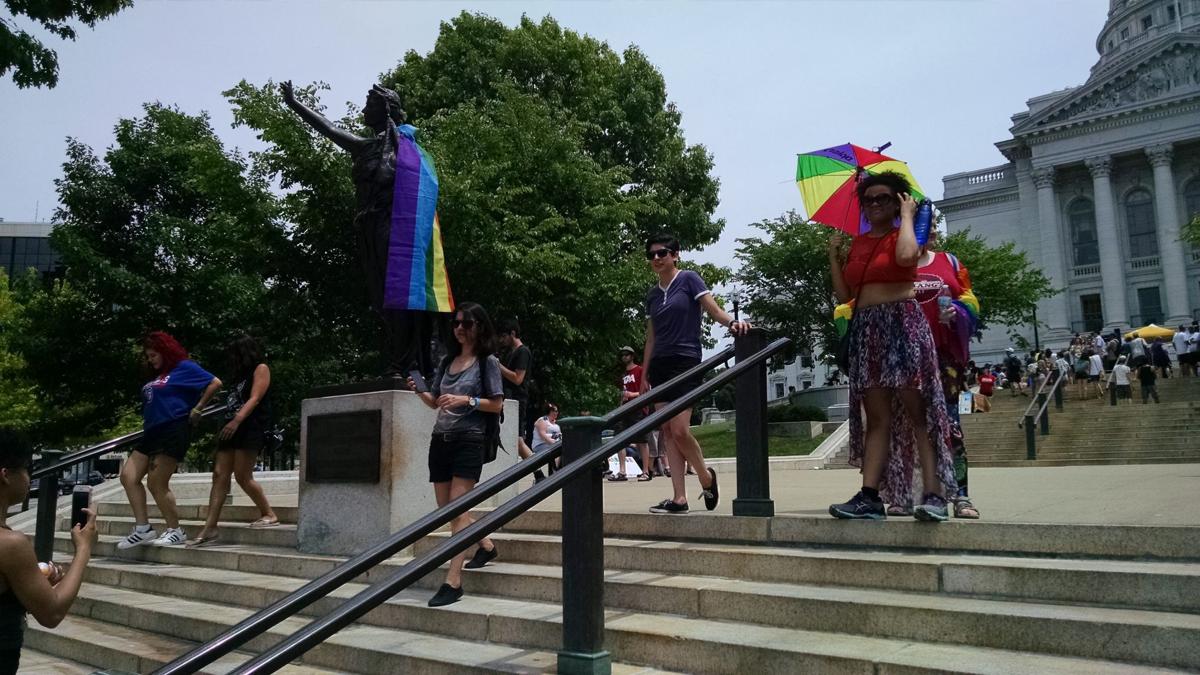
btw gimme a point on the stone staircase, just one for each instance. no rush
(1090, 431)
(701, 594)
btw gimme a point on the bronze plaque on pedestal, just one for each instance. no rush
(343, 448)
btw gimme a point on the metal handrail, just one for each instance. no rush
(318, 588)
(1034, 399)
(106, 447)
(1046, 402)
(47, 509)
(317, 631)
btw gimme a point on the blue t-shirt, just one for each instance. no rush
(172, 396)
(675, 314)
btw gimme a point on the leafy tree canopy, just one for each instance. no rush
(556, 157)
(33, 63)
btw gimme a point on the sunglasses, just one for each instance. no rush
(879, 200)
(465, 323)
(658, 253)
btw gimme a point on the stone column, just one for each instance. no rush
(1053, 310)
(1170, 250)
(1112, 261)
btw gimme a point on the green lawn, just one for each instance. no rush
(718, 440)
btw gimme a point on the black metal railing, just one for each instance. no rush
(757, 495)
(48, 475)
(1041, 418)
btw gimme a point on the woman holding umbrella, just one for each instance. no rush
(893, 365)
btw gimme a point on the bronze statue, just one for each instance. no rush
(407, 333)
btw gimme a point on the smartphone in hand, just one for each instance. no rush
(81, 498)
(418, 382)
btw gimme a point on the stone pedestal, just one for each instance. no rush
(364, 468)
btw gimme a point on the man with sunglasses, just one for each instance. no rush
(673, 330)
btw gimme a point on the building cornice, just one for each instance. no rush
(978, 200)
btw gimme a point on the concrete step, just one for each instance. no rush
(1021, 463)
(1059, 451)
(357, 649)
(234, 513)
(1181, 543)
(1129, 584)
(538, 625)
(112, 646)
(233, 533)
(34, 662)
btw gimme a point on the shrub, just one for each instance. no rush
(796, 413)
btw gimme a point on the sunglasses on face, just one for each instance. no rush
(658, 253)
(878, 200)
(467, 324)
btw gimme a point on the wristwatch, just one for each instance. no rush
(474, 402)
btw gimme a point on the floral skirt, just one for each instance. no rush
(891, 348)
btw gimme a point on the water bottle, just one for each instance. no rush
(924, 221)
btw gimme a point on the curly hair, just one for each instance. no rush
(168, 348)
(890, 179)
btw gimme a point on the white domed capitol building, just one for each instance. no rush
(1098, 181)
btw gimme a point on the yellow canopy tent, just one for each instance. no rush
(1152, 331)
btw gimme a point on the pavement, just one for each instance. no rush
(1135, 494)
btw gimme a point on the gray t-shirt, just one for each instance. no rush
(465, 383)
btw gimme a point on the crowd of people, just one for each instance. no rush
(1092, 364)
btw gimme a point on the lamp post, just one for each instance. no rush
(1037, 344)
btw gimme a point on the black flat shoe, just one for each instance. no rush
(482, 557)
(446, 595)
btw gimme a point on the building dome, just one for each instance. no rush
(1133, 25)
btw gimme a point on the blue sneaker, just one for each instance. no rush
(859, 508)
(933, 510)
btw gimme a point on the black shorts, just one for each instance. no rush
(663, 368)
(169, 438)
(251, 435)
(1093, 378)
(633, 419)
(455, 455)
(1124, 391)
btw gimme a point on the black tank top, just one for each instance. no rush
(12, 619)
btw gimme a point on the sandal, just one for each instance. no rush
(264, 522)
(645, 477)
(202, 541)
(963, 508)
(898, 510)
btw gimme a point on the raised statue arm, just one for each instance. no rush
(344, 139)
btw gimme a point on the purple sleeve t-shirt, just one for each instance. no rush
(173, 395)
(674, 312)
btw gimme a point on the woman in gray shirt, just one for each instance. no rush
(466, 386)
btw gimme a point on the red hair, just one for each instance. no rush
(167, 347)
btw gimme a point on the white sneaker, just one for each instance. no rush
(171, 537)
(137, 538)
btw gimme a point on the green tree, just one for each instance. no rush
(1006, 282)
(785, 279)
(19, 405)
(1190, 232)
(33, 63)
(556, 158)
(166, 231)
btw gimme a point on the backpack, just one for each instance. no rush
(492, 421)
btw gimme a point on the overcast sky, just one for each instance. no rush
(756, 82)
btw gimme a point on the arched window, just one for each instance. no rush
(1139, 219)
(1081, 217)
(1191, 199)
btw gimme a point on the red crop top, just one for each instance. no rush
(881, 268)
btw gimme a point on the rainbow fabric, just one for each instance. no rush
(416, 265)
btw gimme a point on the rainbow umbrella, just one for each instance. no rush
(827, 179)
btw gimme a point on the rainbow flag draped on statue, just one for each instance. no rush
(416, 265)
